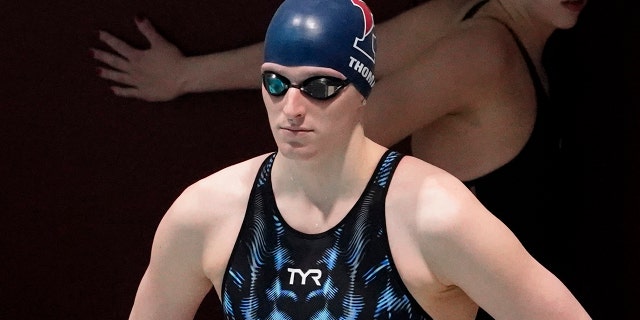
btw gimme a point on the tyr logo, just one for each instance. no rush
(315, 274)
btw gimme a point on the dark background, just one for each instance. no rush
(85, 176)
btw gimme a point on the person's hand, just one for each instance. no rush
(153, 75)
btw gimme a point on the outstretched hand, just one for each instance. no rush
(151, 75)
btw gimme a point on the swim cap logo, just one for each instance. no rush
(366, 44)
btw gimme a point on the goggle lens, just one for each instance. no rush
(320, 87)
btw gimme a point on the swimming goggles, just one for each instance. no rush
(318, 87)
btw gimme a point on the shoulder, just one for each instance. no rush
(214, 198)
(432, 201)
(469, 64)
(481, 38)
(480, 49)
(441, 217)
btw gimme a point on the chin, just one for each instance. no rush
(293, 152)
(567, 23)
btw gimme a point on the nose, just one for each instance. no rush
(294, 106)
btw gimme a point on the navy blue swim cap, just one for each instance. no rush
(336, 34)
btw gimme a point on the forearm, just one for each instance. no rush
(228, 70)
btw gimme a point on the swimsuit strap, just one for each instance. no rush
(472, 12)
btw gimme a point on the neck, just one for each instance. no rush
(327, 179)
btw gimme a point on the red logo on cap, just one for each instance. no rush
(368, 16)
(367, 44)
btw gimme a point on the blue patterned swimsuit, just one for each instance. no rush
(347, 272)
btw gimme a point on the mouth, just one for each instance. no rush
(574, 5)
(295, 130)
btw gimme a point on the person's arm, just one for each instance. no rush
(470, 248)
(162, 72)
(193, 243)
(174, 283)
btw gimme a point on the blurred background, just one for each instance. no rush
(85, 176)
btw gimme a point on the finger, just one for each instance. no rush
(125, 92)
(116, 76)
(116, 44)
(149, 31)
(110, 59)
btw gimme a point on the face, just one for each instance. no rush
(304, 126)
(562, 14)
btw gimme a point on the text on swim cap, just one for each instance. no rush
(359, 67)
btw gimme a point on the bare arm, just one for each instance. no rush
(174, 283)
(193, 243)
(473, 250)
(162, 72)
